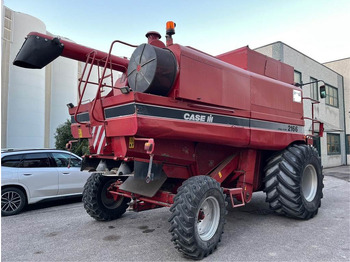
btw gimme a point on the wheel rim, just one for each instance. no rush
(10, 201)
(108, 200)
(309, 183)
(208, 218)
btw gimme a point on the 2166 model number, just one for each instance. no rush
(292, 128)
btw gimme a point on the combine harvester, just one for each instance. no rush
(183, 129)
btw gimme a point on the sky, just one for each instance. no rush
(317, 28)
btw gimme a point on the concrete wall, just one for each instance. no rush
(332, 117)
(6, 38)
(64, 75)
(343, 67)
(33, 102)
(26, 90)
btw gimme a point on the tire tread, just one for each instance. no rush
(183, 215)
(283, 181)
(91, 200)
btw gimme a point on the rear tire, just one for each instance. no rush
(294, 182)
(13, 200)
(98, 203)
(198, 217)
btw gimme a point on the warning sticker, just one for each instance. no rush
(131, 142)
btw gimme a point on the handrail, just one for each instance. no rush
(313, 102)
(83, 73)
(81, 94)
(103, 76)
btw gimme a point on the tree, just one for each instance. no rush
(63, 135)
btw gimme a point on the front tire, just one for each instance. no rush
(198, 217)
(13, 200)
(294, 182)
(98, 203)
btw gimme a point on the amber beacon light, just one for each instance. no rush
(170, 28)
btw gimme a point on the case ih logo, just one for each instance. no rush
(198, 118)
(99, 137)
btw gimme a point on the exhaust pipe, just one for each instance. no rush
(38, 50)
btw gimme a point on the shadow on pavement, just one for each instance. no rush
(53, 203)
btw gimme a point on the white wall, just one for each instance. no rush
(26, 91)
(343, 67)
(64, 75)
(35, 102)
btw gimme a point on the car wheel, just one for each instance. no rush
(13, 200)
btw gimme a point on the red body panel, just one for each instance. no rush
(206, 79)
(196, 131)
(258, 63)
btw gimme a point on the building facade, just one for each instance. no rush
(331, 110)
(33, 101)
(342, 67)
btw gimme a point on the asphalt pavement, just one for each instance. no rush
(57, 232)
(341, 172)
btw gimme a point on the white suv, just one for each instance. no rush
(29, 176)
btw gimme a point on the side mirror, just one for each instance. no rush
(323, 91)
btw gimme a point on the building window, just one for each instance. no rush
(297, 77)
(333, 144)
(332, 96)
(313, 89)
(347, 144)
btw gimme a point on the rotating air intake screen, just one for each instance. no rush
(152, 70)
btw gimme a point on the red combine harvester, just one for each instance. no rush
(184, 129)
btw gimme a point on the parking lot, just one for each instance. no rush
(64, 232)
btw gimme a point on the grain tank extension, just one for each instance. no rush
(186, 130)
